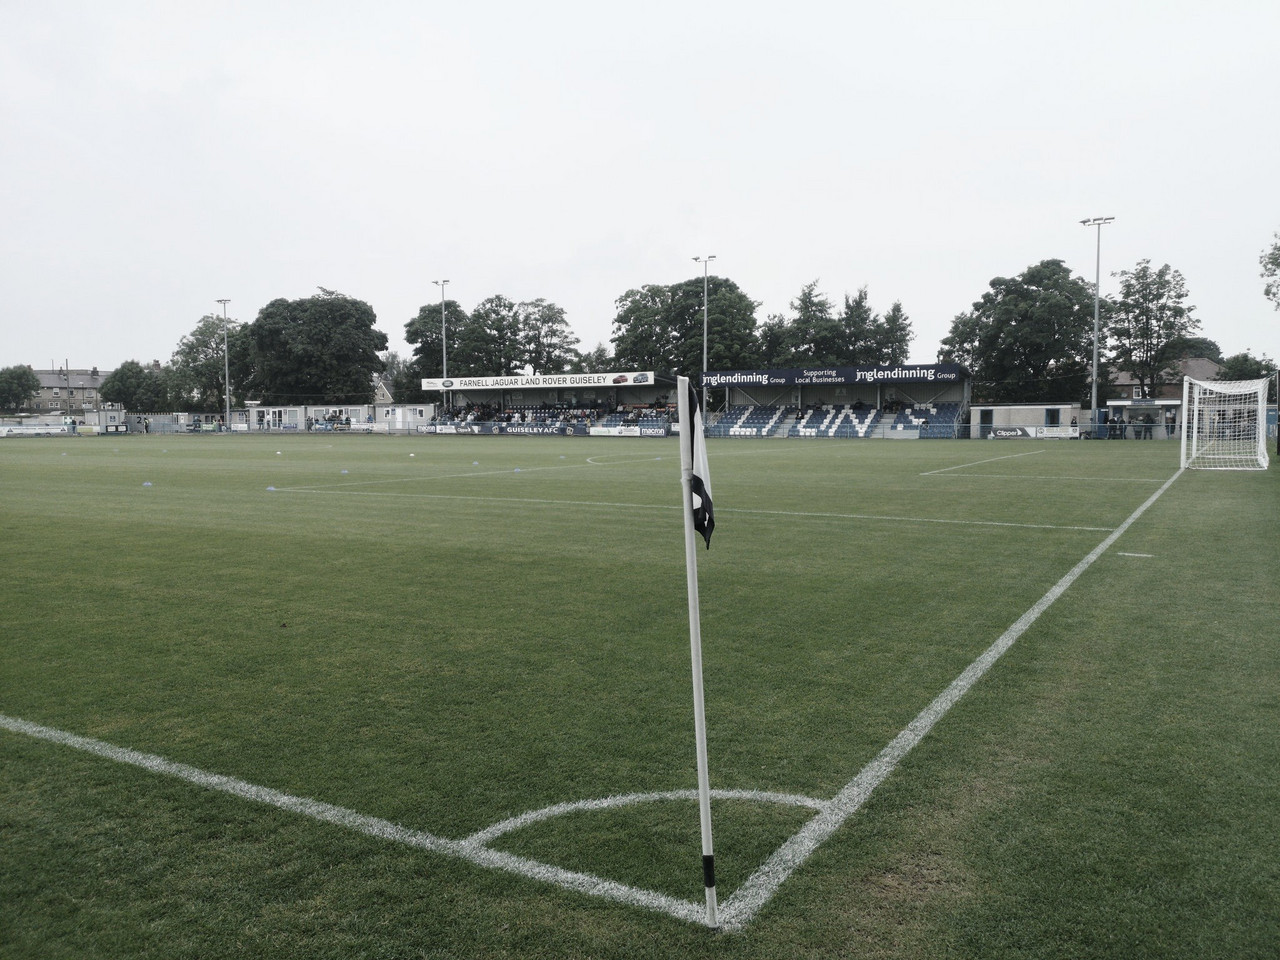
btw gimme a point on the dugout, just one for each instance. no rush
(1026, 421)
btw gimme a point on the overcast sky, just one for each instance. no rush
(155, 157)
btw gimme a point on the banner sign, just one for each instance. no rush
(488, 428)
(615, 431)
(1033, 433)
(549, 381)
(1010, 433)
(903, 373)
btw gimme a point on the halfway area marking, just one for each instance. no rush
(743, 904)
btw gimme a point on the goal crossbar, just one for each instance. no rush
(1224, 424)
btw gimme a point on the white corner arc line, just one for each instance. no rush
(738, 910)
(489, 834)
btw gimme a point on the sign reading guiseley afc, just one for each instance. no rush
(902, 373)
(546, 381)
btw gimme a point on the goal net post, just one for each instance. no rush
(1224, 424)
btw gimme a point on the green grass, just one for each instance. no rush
(496, 625)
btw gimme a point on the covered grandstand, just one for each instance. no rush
(896, 402)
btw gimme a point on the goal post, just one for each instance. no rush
(1224, 424)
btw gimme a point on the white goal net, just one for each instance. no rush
(1224, 424)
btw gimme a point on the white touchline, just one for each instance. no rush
(745, 902)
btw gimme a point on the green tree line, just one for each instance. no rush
(1027, 338)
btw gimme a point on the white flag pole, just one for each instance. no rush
(691, 420)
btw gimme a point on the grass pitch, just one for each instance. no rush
(447, 633)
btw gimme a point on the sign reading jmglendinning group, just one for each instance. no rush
(902, 373)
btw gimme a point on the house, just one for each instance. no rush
(1197, 368)
(69, 393)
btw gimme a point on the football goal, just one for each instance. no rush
(1224, 424)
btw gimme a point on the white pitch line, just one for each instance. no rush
(469, 850)
(872, 516)
(1032, 476)
(977, 463)
(1145, 556)
(746, 901)
(489, 834)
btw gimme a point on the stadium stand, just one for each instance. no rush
(749, 421)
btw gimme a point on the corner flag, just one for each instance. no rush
(704, 517)
(698, 518)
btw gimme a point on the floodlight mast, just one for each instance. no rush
(706, 262)
(444, 348)
(1098, 222)
(226, 362)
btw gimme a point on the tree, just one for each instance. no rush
(548, 343)
(322, 349)
(772, 342)
(894, 336)
(815, 336)
(872, 340)
(1151, 318)
(423, 331)
(644, 330)
(17, 386)
(489, 341)
(1245, 366)
(137, 389)
(1270, 262)
(198, 369)
(598, 360)
(660, 328)
(1030, 337)
(1183, 347)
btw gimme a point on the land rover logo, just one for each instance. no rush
(446, 384)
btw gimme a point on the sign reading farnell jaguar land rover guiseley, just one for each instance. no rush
(616, 379)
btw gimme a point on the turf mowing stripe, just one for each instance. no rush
(738, 910)
(742, 906)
